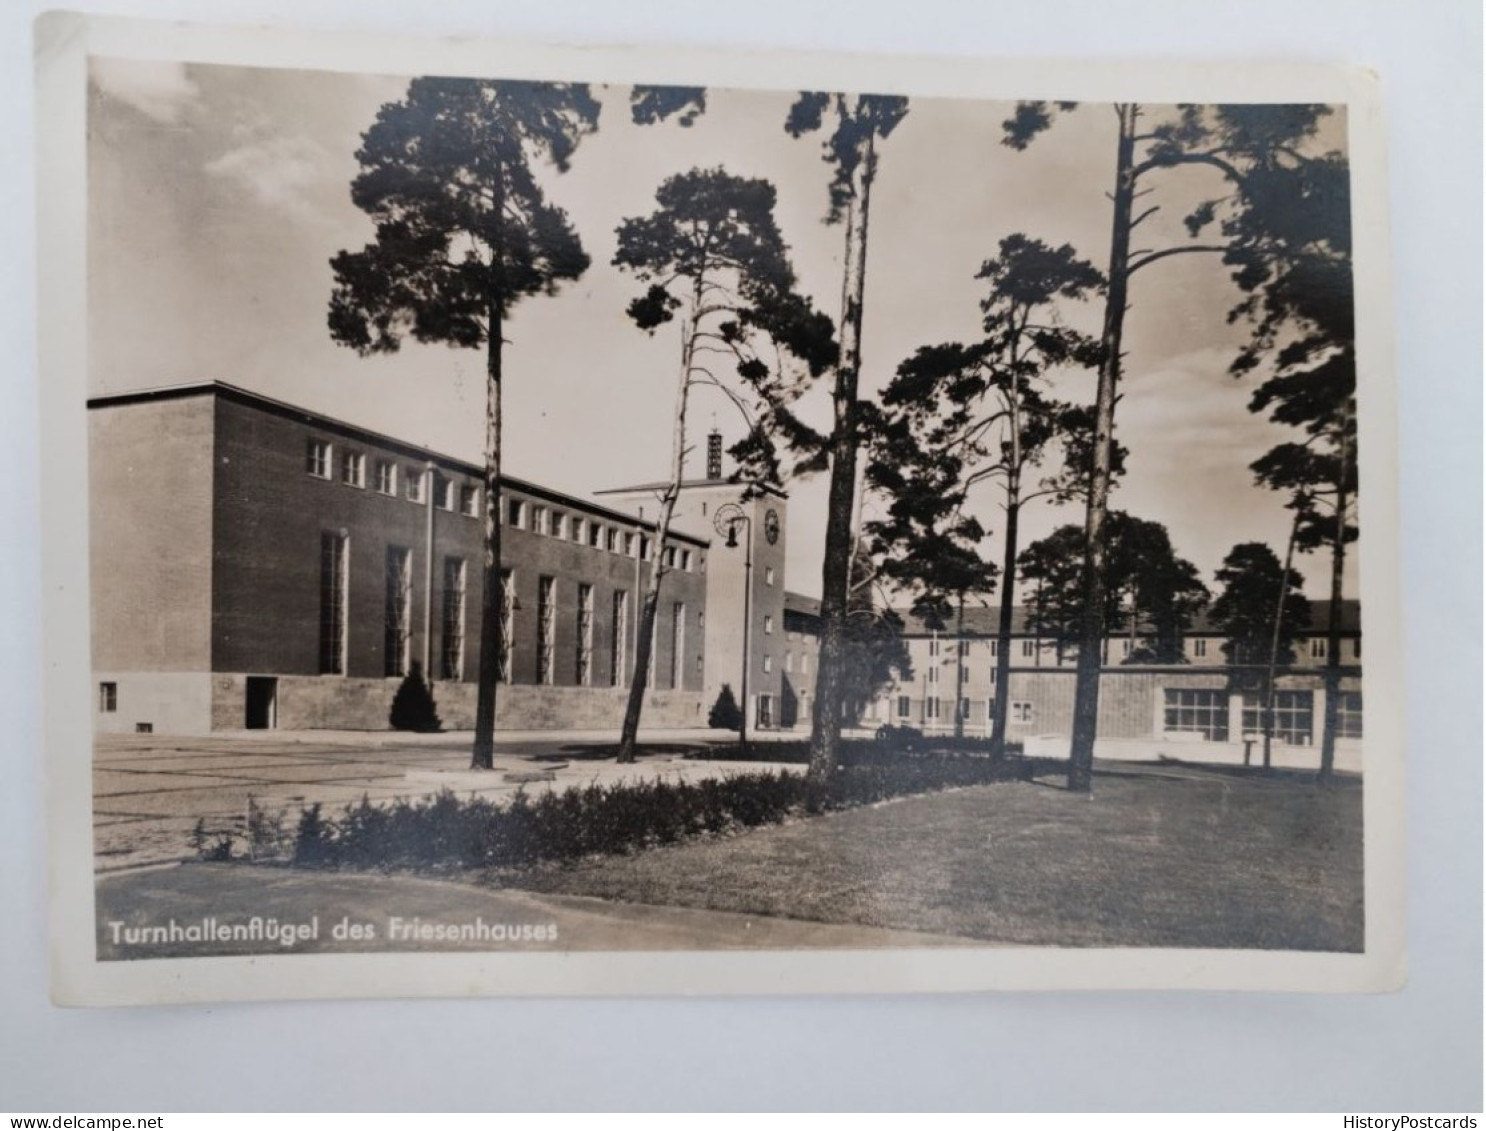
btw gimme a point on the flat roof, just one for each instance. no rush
(691, 484)
(981, 621)
(239, 395)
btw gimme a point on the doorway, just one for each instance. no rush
(263, 694)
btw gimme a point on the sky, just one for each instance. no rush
(218, 196)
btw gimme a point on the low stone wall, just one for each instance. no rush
(337, 703)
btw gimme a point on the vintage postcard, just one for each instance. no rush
(534, 520)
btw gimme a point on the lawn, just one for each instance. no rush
(1180, 858)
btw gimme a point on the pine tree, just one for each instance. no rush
(413, 707)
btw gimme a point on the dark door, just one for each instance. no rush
(262, 707)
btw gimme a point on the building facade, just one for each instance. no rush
(1203, 704)
(745, 592)
(255, 565)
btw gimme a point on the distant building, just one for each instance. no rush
(1205, 700)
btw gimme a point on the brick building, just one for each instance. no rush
(1198, 704)
(255, 565)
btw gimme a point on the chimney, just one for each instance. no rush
(714, 455)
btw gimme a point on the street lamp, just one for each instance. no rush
(726, 521)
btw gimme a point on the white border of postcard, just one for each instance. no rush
(63, 43)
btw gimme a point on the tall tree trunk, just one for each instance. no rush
(1003, 623)
(482, 756)
(1091, 636)
(636, 702)
(825, 728)
(1332, 681)
(1274, 639)
(960, 667)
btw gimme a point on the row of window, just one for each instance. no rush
(541, 519)
(398, 624)
(321, 462)
(936, 709)
(1317, 647)
(448, 495)
(1205, 711)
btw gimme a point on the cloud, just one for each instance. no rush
(160, 90)
(281, 172)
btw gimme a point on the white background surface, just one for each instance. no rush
(1419, 1050)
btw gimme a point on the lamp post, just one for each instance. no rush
(728, 518)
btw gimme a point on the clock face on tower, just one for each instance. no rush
(771, 526)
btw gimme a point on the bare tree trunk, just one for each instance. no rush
(1274, 639)
(1091, 637)
(482, 756)
(825, 730)
(1332, 680)
(960, 667)
(1003, 623)
(658, 570)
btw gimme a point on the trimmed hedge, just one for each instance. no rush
(446, 832)
(853, 751)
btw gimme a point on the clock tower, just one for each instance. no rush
(743, 622)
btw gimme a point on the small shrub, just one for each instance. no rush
(725, 713)
(266, 838)
(312, 845)
(413, 707)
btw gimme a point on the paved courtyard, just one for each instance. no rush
(150, 790)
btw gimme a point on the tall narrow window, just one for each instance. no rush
(317, 459)
(584, 667)
(108, 697)
(443, 492)
(546, 627)
(412, 484)
(398, 646)
(353, 469)
(453, 620)
(678, 642)
(516, 513)
(333, 582)
(1349, 714)
(507, 626)
(386, 477)
(619, 653)
(469, 501)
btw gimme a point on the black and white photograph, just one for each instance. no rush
(564, 510)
